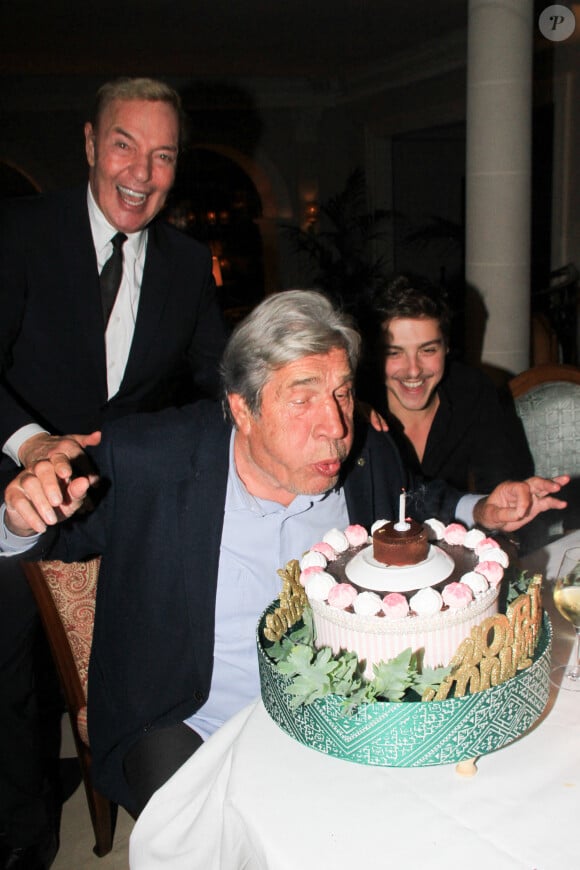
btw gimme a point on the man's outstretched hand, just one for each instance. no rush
(513, 504)
(46, 492)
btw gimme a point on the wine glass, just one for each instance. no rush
(567, 600)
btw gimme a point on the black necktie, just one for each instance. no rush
(111, 274)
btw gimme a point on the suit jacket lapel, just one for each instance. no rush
(358, 490)
(80, 270)
(201, 521)
(375, 477)
(157, 277)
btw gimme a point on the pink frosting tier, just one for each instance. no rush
(375, 639)
(435, 620)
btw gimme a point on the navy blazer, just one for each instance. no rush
(159, 528)
(52, 344)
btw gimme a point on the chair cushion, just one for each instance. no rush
(73, 587)
(83, 726)
(550, 414)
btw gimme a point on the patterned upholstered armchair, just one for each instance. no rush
(547, 400)
(65, 596)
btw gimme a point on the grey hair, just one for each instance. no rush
(125, 88)
(283, 328)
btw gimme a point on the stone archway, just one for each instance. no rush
(276, 206)
(15, 182)
(263, 188)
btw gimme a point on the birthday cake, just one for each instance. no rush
(379, 598)
(330, 691)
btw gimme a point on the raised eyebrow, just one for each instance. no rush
(123, 132)
(304, 382)
(389, 346)
(128, 135)
(429, 343)
(315, 379)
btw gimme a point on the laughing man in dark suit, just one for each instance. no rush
(67, 368)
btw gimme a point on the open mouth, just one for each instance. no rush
(413, 385)
(328, 468)
(131, 197)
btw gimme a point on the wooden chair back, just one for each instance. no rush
(65, 596)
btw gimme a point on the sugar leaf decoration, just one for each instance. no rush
(317, 673)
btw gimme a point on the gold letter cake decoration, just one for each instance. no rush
(292, 602)
(497, 648)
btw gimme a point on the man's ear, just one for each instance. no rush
(240, 412)
(90, 143)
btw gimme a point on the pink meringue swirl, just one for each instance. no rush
(395, 606)
(486, 542)
(356, 535)
(342, 595)
(492, 571)
(457, 595)
(454, 534)
(308, 572)
(325, 549)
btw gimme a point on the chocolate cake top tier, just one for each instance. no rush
(401, 547)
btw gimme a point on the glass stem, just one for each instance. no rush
(574, 669)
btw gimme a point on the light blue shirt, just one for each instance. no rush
(258, 538)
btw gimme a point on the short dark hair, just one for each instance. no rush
(126, 88)
(413, 296)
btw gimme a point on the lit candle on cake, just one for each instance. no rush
(402, 525)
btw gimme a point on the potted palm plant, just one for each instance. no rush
(340, 245)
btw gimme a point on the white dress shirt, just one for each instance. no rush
(121, 327)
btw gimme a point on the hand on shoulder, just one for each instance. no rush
(46, 490)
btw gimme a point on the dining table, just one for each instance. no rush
(253, 798)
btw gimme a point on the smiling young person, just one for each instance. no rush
(446, 417)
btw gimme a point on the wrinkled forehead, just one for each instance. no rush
(136, 112)
(330, 369)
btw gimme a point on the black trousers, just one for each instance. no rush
(30, 714)
(156, 757)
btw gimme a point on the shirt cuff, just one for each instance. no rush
(11, 544)
(465, 508)
(15, 442)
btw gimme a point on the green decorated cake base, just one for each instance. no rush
(413, 734)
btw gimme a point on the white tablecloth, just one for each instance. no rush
(252, 798)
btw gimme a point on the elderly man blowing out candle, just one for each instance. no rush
(198, 513)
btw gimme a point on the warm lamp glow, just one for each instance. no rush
(311, 212)
(217, 271)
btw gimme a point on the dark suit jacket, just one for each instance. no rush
(52, 347)
(159, 529)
